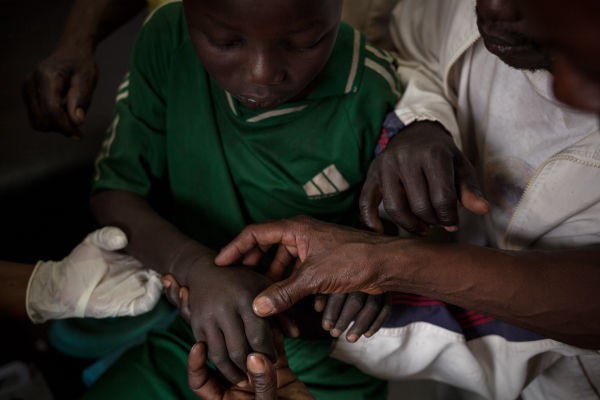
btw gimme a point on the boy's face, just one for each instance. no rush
(263, 52)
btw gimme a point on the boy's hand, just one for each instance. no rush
(368, 312)
(221, 315)
(420, 177)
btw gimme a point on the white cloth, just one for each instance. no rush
(95, 280)
(557, 206)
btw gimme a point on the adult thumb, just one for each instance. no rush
(79, 96)
(471, 196)
(279, 297)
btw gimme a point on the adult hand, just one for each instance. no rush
(59, 91)
(95, 280)
(331, 259)
(267, 381)
(420, 176)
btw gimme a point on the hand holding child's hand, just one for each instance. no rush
(420, 177)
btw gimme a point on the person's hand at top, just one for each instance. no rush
(420, 176)
(267, 380)
(95, 280)
(59, 91)
(331, 259)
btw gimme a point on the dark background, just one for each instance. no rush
(45, 177)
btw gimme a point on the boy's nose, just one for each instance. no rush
(266, 69)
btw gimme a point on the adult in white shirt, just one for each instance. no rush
(532, 261)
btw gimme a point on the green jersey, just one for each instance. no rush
(225, 166)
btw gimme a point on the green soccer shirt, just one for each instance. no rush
(227, 166)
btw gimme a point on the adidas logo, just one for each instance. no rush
(326, 183)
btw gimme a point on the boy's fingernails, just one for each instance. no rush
(352, 337)
(263, 306)
(166, 283)
(327, 325)
(336, 332)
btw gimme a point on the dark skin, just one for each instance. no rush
(59, 92)
(422, 176)
(571, 30)
(561, 286)
(263, 56)
(268, 380)
(419, 178)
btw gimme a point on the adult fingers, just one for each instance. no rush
(200, 380)
(80, 94)
(49, 90)
(370, 198)
(262, 376)
(442, 190)
(280, 296)
(471, 196)
(256, 235)
(283, 258)
(396, 205)
(417, 193)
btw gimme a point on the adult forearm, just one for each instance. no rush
(152, 239)
(15, 277)
(90, 21)
(553, 293)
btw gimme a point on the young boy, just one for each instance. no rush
(241, 111)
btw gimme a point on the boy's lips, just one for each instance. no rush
(258, 102)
